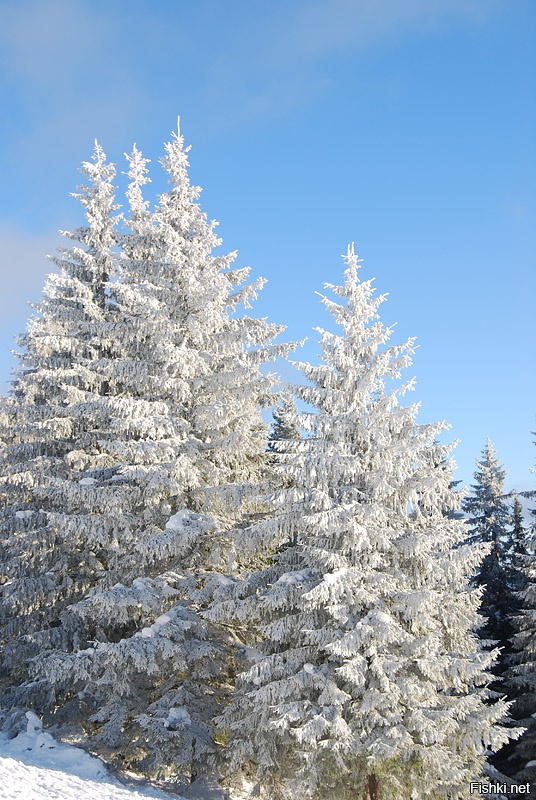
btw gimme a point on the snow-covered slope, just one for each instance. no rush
(34, 766)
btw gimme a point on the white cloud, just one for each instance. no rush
(71, 82)
(23, 267)
(78, 65)
(277, 63)
(50, 41)
(326, 26)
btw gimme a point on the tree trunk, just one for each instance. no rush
(372, 790)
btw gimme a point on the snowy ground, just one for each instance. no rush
(33, 766)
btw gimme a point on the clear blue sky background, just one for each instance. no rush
(407, 126)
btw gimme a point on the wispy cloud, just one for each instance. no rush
(23, 267)
(75, 62)
(51, 41)
(323, 27)
(86, 68)
(278, 62)
(57, 57)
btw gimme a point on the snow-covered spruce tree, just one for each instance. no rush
(489, 521)
(48, 425)
(369, 682)
(516, 576)
(284, 423)
(519, 532)
(521, 677)
(185, 445)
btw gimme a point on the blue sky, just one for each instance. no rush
(407, 126)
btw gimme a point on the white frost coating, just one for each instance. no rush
(177, 716)
(370, 585)
(144, 370)
(292, 578)
(333, 577)
(178, 520)
(154, 629)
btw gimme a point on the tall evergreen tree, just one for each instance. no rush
(172, 454)
(521, 676)
(369, 681)
(51, 431)
(489, 521)
(519, 532)
(521, 755)
(520, 543)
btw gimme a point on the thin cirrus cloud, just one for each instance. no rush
(50, 41)
(83, 69)
(60, 63)
(73, 60)
(327, 26)
(275, 62)
(23, 266)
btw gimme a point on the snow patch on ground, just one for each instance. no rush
(34, 766)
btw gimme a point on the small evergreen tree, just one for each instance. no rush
(519, 532)
(369, 681)
(284, 426)
(489, 521)
(519, 537)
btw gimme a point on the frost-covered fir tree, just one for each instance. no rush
(284, 423)
(51, 429)
(519, 532)
(176, 458)
(519, 537)
(517, 759)
(521, 677)
(486, 506)
(369, 681)
(489, 521)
